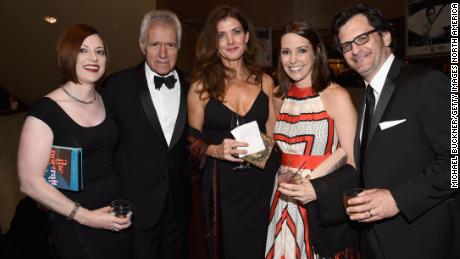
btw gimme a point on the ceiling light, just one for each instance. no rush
(50, 19)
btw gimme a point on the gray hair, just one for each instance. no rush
(159, 15)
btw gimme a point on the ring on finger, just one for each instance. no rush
(370, 213)
(114, 229)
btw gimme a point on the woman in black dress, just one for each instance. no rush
(226, 85)
(74, 115)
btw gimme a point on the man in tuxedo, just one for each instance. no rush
(408, 209)
(148, 103)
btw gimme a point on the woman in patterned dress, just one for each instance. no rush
(315, 130)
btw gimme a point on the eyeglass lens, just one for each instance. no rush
(358, 40)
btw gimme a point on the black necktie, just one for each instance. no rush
(370, 103)
(169, 81)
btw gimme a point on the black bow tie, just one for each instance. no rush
(169, 81)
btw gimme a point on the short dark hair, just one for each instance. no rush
(320, 74)
(374, 17)
(68, 48)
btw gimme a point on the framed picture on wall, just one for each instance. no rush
(265, 38)
(428, 27)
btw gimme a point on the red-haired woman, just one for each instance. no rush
(74, 115)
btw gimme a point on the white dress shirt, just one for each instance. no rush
(166, 102)
(377, 83)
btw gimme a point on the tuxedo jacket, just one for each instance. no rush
(152, 173)
(408, 152)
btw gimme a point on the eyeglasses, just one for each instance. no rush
(358, 40)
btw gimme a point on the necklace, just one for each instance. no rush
(77, 99)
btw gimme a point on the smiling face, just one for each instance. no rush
(160, 48)
(231, 39)
(297, 58)
(369, 57)
(91, 60)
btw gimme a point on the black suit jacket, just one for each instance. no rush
(150, 170)
(412, 160)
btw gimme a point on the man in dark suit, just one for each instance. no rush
(148, 103)
(408, 209)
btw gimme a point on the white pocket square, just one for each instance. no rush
(388, 124)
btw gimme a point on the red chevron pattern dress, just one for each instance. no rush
(304, 132)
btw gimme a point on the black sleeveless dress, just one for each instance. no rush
(100, 184)
(244, 195)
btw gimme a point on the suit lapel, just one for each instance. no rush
(182, 115)
(146, 101)
(384, 98)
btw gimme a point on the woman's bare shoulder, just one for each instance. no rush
(267, 84)
(335, 92)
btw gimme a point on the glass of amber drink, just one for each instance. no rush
(121, 208)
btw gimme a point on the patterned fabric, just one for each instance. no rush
(305, 134)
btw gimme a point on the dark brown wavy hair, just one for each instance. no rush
(209, 69)
(320, 73)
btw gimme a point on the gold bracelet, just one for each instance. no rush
(73, 212)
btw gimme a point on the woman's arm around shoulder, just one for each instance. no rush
(277, 101)
(196, 104)
(339, 106)
(269, 88)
